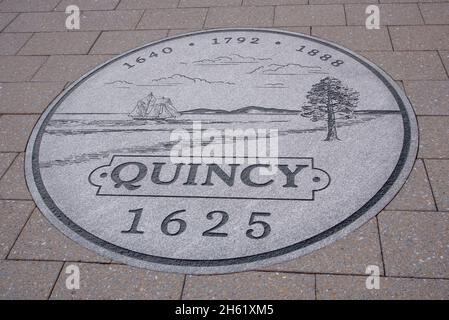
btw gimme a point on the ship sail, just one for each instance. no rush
(167, 110)
(152, 107)
(143, 106)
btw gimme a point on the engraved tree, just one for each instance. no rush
(329, 100)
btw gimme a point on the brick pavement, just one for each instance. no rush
(408, 240)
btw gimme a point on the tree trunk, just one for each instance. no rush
(331, 125)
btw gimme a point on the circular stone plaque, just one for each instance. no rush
(221, 150)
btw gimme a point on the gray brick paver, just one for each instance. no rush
(435, 13)
(51, 43)
(38, 96)
(13, 216)
(416, 193)
(209, 3)
(183, 18)
(408, 1)
(38, 22)
(367, 2)
(147, 4)
(174, 32)
(349, 255)
(415, 244)
(428, 97)
(433, 133)
(115, 42)
(68, 67)
(438, 174)
(304, 30)
(271, 2)
(89, 21)
(390, 14)
(420, 37)
(103, 281)
(6, 160)
(18, 69)
(445, 59)
(12, 184)
(355, 37)
(27, 5)
(310, 15)
(88, 4)
(250, 285)
(219, 17)
(409, 65)
(28, 279)
(353, 287)
(10, 43)
(6, 18)
(39, 240)
(14, 131)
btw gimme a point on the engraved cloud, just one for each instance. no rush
(231, 59)
(289, 69)
(170, 81)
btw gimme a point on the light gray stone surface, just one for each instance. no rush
(95, 126)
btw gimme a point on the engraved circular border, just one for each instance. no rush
(368, 210)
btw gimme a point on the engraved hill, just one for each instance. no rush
(264, 110)
(244, 110)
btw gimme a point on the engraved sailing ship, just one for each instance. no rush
(154, 108)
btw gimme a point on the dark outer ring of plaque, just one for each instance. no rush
(229, 261)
